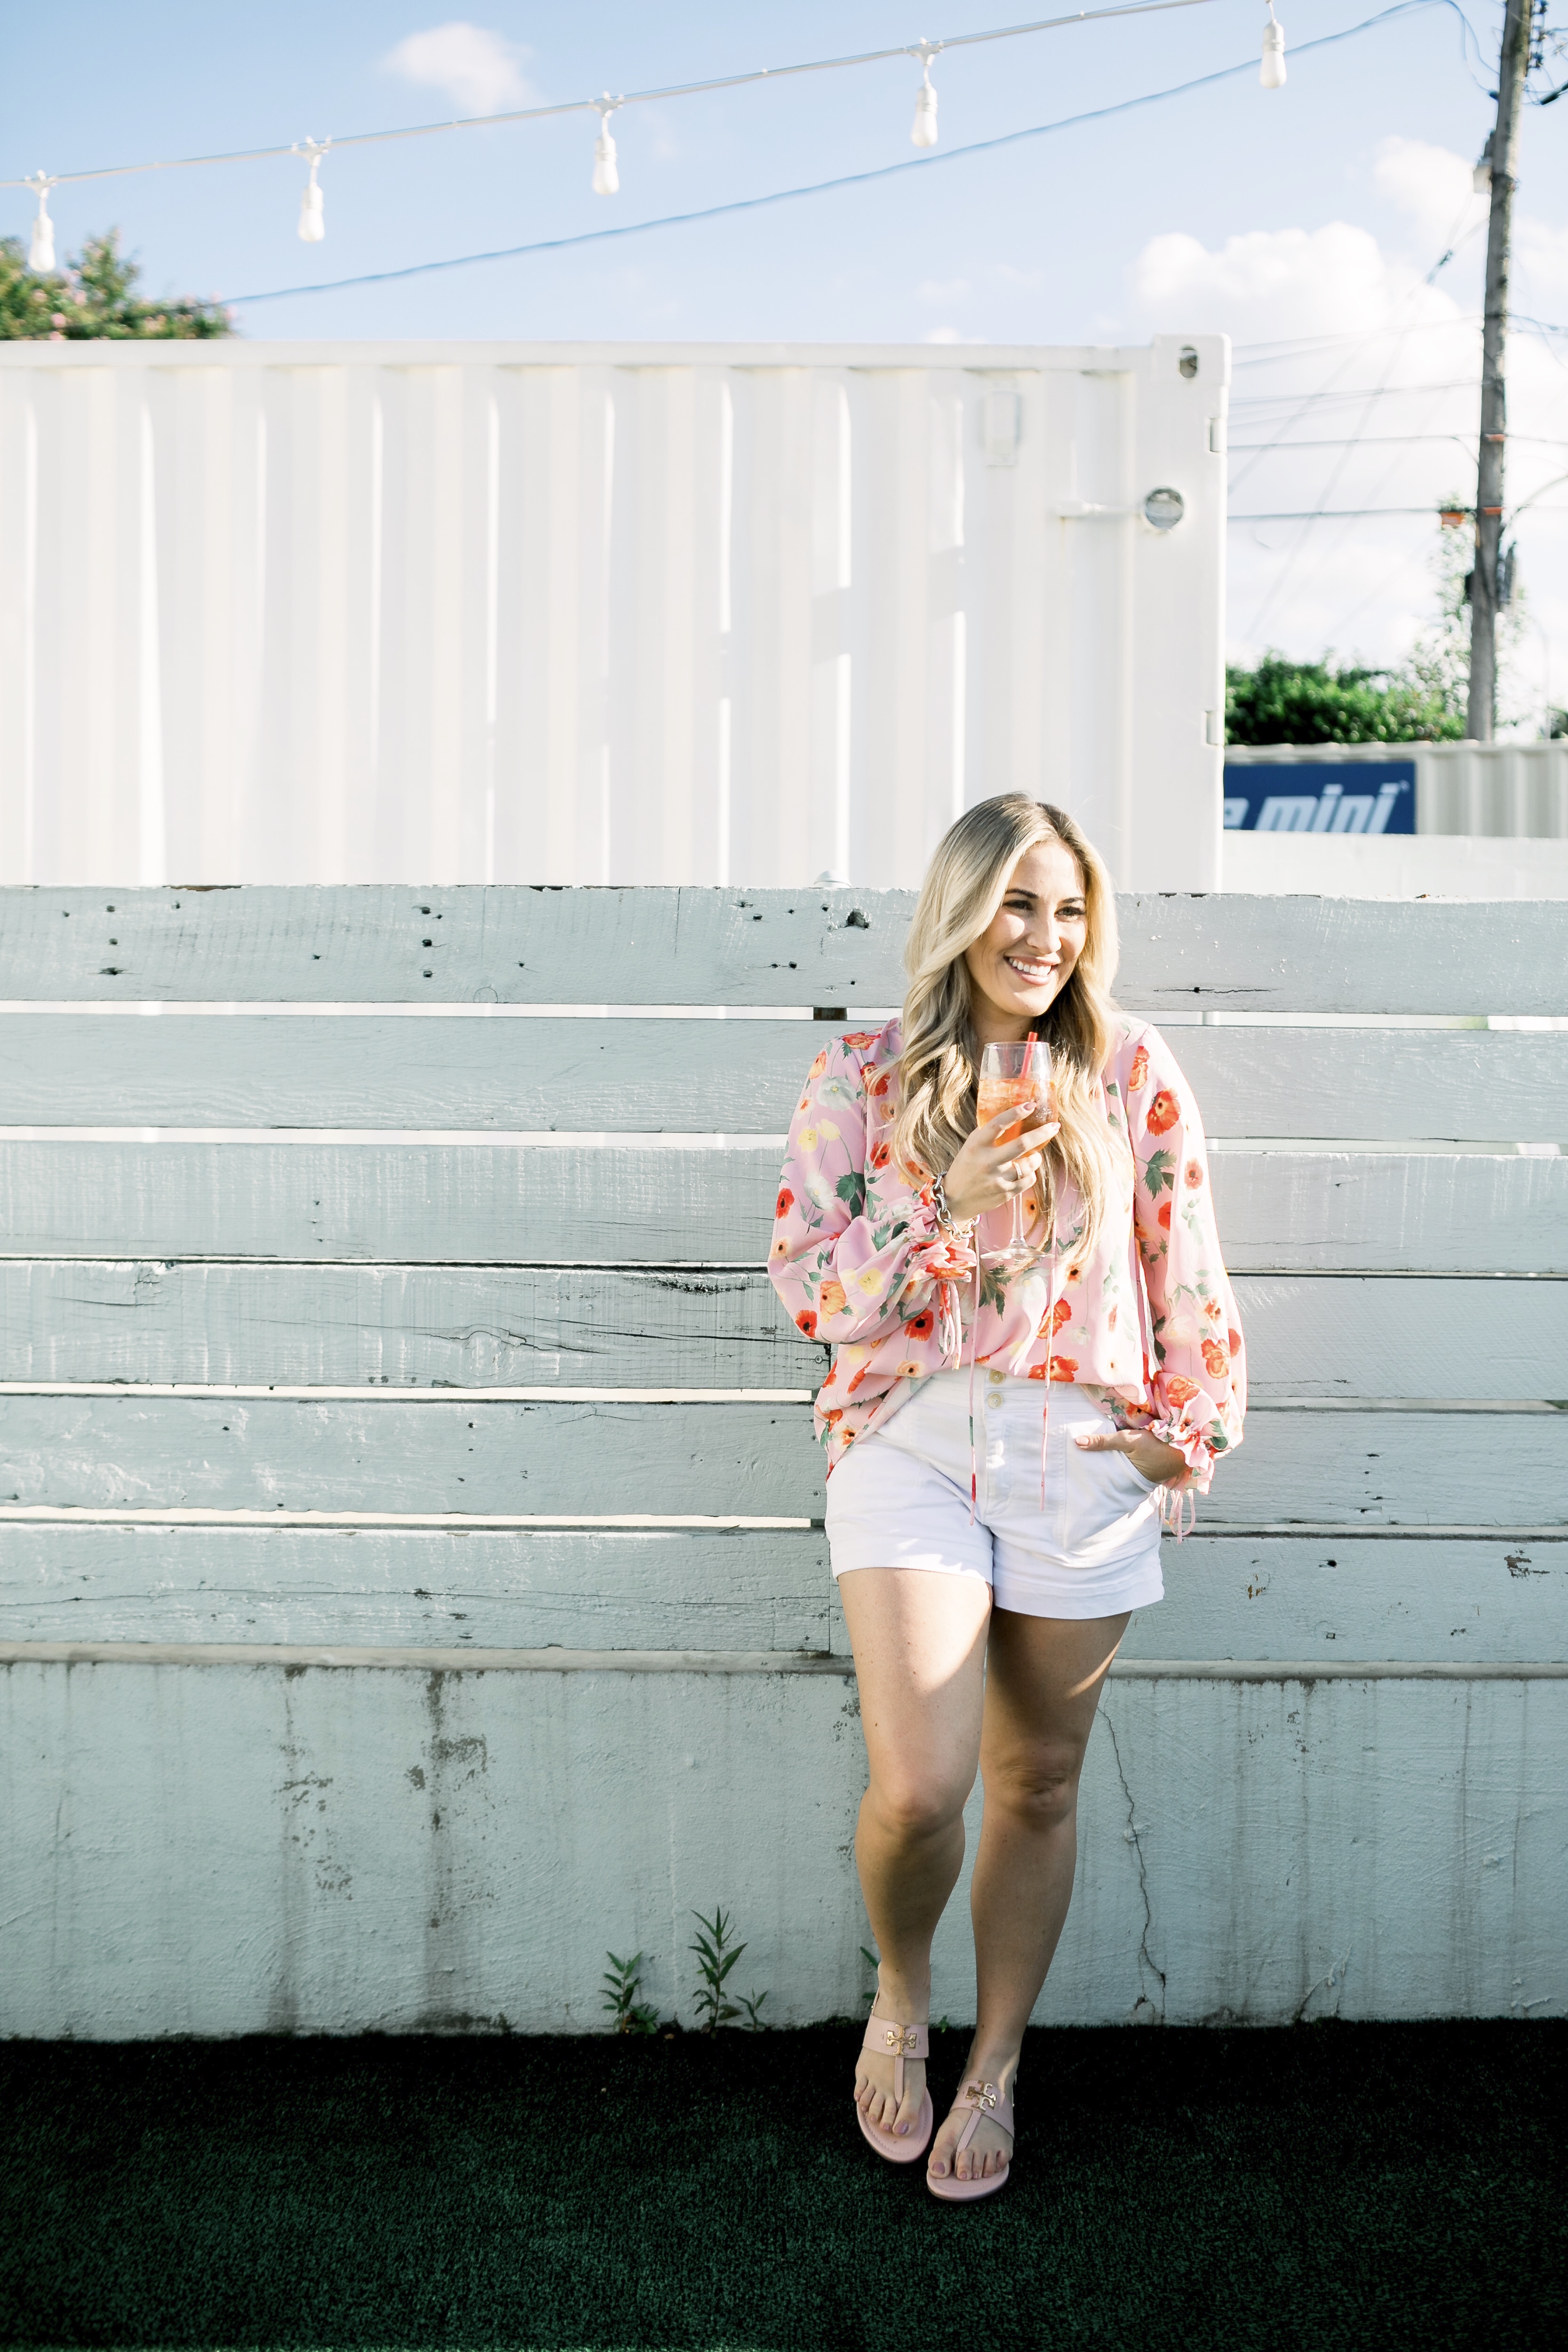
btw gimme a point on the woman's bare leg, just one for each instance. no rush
(919, 1638)
(1042, 1689)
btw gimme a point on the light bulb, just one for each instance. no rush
(607, 179)
(923, 132)
(1271, 73)
(41, 252)
(1481, 177)
(313, 211)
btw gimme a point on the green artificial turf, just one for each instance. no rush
(1330, 2186)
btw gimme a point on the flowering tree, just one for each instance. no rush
(94, 296)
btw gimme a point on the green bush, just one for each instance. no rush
(1284, 701)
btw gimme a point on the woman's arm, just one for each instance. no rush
(1197, 1379)
(844, 1274)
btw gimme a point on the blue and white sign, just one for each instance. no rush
(1321, 796)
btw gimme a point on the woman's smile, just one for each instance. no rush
(1025, 958)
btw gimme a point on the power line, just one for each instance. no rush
(1280, 353)
(1377, 392)
(1389, 441)
(1355, 514)
(820, 187)
(1348, 447)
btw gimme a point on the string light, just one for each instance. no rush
(312, 209)
(312, 228)
(1271, 72)
(41, 252)
(606, 178)
(922, 131)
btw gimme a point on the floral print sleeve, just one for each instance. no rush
(1197, 1381)
(857, 1254)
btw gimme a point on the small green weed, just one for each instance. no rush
(623, 1982)
(716, 1956)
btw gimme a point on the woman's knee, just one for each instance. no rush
(1036, 1781)
(913, 1802)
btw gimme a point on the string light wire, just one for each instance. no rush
(845, 180)
(923, 50)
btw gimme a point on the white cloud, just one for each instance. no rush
(1024, 281)
(1379, 414)
(479, 71)
(1431, 186)
(1541, 271)
(942, 290)
(943, 335)
(1270, 283)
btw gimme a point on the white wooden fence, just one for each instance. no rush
(527, 613)
(411, 1573)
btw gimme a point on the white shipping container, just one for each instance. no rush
(441, 612)
(1513, 790)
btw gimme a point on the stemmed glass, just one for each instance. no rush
(1020, 1077)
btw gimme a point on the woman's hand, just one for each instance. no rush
(987, 1174)
(1157, 1462)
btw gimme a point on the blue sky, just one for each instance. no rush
(1313, 211)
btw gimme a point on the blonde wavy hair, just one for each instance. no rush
(965, 886)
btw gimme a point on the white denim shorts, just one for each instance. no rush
(900, 1498)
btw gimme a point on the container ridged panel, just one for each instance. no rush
(603, 614)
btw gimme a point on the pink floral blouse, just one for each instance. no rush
(1148, 1327)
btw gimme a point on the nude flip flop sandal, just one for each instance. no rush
(983, 2099)
(885, 2036)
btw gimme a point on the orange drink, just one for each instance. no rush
(1016, 1078)
(1029, 1093)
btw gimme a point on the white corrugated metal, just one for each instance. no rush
(318, 613)
(1505, 791)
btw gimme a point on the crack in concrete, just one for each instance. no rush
(1145, 1956)
(1333, 1982)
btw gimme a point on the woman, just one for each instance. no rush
(989, 1551)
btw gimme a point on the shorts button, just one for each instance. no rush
(996, 1378)
(992, 1400)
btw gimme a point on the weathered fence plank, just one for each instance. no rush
(358, 1070)
(486, 1204)
(698, 1076)
(398, 1453)
(1471, 1600)
(1395, 1468)
(583, 1589)
(335, 1815)
(392, 944)
(257, 1322)
(1404, 1336)
(1483, 1598)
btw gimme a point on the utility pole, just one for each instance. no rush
(1503, 148)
